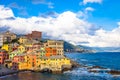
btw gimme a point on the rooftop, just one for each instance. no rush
(54, 57)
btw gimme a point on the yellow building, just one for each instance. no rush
(30, 59)
(53, 63)
(23, 66)
(21, 48)
(23, 40)
(7, 47)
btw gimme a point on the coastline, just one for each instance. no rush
(94, 69)
(5, 71)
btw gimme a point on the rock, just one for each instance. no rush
(114, 72)
(75, 64)
(97, 67)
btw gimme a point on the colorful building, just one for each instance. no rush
(40, 53)
(3, 56)
(17, 62)
(30, 59)
(36, 35)
(54, 63)
(55, 44)
(9, 36)
(19, 58)
(23, 40)
(14, 53)
(1, 40)
(22, 48)
(50, 51)
(7, 47)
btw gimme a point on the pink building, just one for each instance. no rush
(16, 60)
(3, 56)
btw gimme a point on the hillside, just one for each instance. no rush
(107, 49)
(68, 47)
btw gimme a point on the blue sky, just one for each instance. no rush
(105, 15)
(90, 20)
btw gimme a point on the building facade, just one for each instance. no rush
(8, 36)
(3, 56)
(23, 40)
(7, 47)
(36, 35)
(50, 52)
(58, 45)
(1, 40)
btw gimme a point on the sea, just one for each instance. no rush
(107, 60)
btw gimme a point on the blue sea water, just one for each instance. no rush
(109, 60)
(104, 59)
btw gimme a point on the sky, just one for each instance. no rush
(94, 23)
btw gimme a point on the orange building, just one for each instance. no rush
(50, 51)
(3, 56)
(31, 60)
(16, 60)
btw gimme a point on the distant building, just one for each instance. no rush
(57, 44)
(1, 40)
(23, 40)
(3, 56)
(8, 36)
(36, 35)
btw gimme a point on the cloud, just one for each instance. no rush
(91, 1)
(5, 12)
(49, 4)
(67, 26)
(104, 38)
(49, 13)
(89, 9)
(118, 23)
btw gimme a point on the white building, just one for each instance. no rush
(1, 39)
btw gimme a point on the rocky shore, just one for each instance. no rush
(96, 69)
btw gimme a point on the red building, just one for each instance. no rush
(50, 52)
(18, 58)
(3, 56)
(36, 35)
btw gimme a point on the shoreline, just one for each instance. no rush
(5, 71)
(94, 69)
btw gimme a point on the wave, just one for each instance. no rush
(83, 59)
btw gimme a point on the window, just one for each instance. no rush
(37, 61)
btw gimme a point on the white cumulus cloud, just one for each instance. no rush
(67, 26)
(5, 12)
